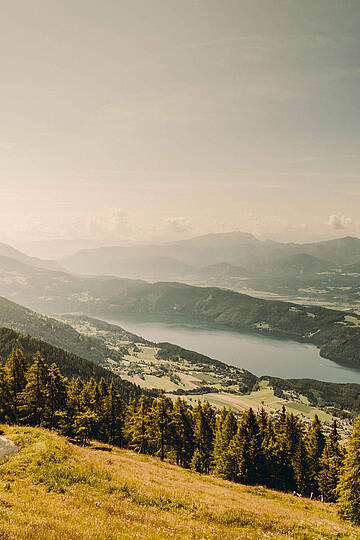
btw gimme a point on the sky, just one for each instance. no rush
(153, 120)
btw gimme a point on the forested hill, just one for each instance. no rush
(337, 398)
(54, 332)
(336, 333)
(70, 365)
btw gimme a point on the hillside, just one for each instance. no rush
(149, 267)
(54, 291)
(299, 265)
(336, 333)
(223, 270)
(292, 266)
(54, 489)
(54, 332)
(8, 251)
(70, 365)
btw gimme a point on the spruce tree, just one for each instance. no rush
(113, 416)
(35, 392)
(14, 382)
(301, 468)
(226, 428)
(84, 426)
(349, 484)
(182, 434)
(204, 424)
(314, 442)
(282, 449)
(331, 463)
(245, 450)
(137, 426)
(159, 425)
(56, 394)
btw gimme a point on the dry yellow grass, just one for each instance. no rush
(54, 490)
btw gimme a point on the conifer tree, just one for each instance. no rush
(182, 436)
(245, 450)
(314, 442)
(4, 397)
(159, 424)
(204, 423)
(35, 392)
(293, 432)
(281, 475)
(301, 468)
(56, 394)
(84, 426)
(226, 428)
(74, 394)
(137, 426)
(349, 484)
(331, 463)
(113, 416)
(268, 471)
(14, 383)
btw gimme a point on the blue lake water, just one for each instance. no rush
(258, 354)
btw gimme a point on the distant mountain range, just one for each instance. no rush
(233, 254)
(197, 255)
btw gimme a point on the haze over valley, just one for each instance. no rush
(179, 270)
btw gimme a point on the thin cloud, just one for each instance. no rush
(338, 222)
(179, 225)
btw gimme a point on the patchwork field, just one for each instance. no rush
(264, 397)
(163, 366)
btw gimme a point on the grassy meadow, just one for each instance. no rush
(52, 489)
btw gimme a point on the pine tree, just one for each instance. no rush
(56, 394)
(226, 428)
(315, 442)
(349, 484)
(204, 424)
(159, 425)
(293, 432)
(137, 426)
(35, 392)
(182, 434)
(245, 450)
(331, 463)
(13, 384)
(283, 445)
(197, 462)
(113, 416)
(4, 398)
(84, 426)
(74, 395)
(268, 446)
(301, 468)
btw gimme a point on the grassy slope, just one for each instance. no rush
(52, 489)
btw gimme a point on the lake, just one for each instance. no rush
(258, 354)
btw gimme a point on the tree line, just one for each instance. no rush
(252, 448)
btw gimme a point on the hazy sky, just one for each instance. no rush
(158, 119)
